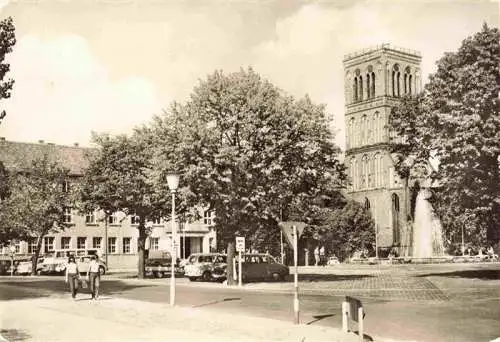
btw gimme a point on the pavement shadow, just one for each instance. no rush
(217, 302)
(366, 338)
(318, 318)
(14, 335)
(471, 274)
(304, 277)
(44, 288)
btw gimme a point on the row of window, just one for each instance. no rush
(81, 243)
(369, 129)
(400, 82)
(91, 218)
(358, 87)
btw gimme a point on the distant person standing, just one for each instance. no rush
(94, 277)
(316, 256)
(322, 256)
(72, 276)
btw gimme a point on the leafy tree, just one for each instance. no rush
(4, 182)
(37, 203)
(247, 150)
(348, 229)
(117, 180)
(7, 41)
(456, 121)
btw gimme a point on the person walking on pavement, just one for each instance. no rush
(316, 256)
(72, 276)
(322, 257)
(94, 277)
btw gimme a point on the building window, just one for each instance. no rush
(153, 243)
(373, 84)
(66, 186)
(65, 242)
(355, 89)
(68, 216)
(96, 242)
(81, 242)
(134, 219)
(113, 218)
(112, 245)
(208, 218)
(48, 244)
(126, 245)
(367, 204)
(360, 88)
(17, 246)
(32, 247)
(90, 218)
(156, 221)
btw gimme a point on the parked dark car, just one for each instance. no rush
(262, 267)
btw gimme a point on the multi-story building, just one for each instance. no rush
(88, 231)
(375, 79)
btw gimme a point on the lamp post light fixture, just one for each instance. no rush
(173, 185)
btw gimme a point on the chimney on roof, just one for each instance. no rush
(40, 141)
(76, 144)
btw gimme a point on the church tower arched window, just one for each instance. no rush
(373, 84)
(367, 203)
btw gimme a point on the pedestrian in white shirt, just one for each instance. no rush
(94, 277)
(72, 276)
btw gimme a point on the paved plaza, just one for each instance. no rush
(447, 302)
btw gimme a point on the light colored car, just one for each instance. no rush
(56, 261)
(206, 266)
(333, 260)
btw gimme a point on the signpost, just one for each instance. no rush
(292, 231)
(12, 254)
(240, 247)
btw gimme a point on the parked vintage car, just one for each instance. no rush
(158, 264)
(262, 267)
(333, 260)
(206, 266)
(56, 261)
(25, 267)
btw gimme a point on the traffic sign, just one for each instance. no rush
(287, 227)
(240, 244)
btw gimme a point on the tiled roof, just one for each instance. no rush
(19, 155)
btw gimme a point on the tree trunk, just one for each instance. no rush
(141, 249)
(34, 260)
(230, 258)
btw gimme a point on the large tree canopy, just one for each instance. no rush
(37, 203)
(247, 150)
(117, 180)
(7, 41)
(456, 120)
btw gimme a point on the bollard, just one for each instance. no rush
(345, 317)
(360, 324)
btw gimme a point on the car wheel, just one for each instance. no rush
(39, 272)
(192, 278)
(276, 276)
(102, 270)
(206, 276)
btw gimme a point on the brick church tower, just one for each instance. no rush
(375, 79)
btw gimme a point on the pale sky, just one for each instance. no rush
(108, 65)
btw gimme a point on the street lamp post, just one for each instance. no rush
(173, 184)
